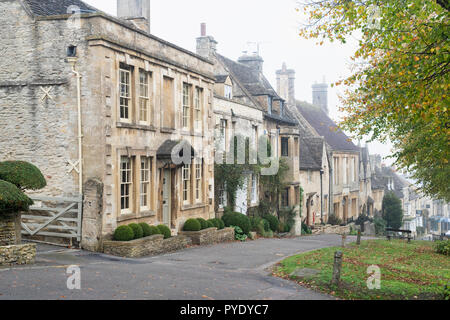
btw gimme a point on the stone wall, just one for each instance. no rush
(10, 230)
(329, 229)
(148, 246)
(209, 236)
(17, 254)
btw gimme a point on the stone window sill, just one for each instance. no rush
(125, 125)
(132, 216)
(192, 207)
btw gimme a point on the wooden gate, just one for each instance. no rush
(54, 217)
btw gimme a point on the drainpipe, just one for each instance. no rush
(73, 62)
(321, 195)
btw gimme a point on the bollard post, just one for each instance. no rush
(358, 239)
(344, 237)
(337, 268)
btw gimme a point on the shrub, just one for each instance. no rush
(254, 222)
(12, 199)
(334, 220)
(221, 224)
(443, 247)
(123, 233)
(446, 292)
(210, 224)
(306, 229)
(281, 227)
(239, 234)
(215, 222)
(237, 219)
(192, 225)
(380, 226)
(165, 231)
(203, 223)
(137, 230)
(154, 230)
(22, 174)
(145, 229)
(274, 223)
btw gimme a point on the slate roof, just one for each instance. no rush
(254, 82)
(311, 152)
(56, 7)
(381, 177)
(221, 78)
(325, 127)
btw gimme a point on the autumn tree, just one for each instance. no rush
(398, 89)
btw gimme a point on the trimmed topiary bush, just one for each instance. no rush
(237, 219)
(146, 229)
(192, 225)
(203, 223)
(210, 224)
(22, 174)
(154, 230)
(254, 222)
(273, 221)
(137, 230)
(221, 224)
(12, 199)
(165, 231)
(123, 233)
(214, 222)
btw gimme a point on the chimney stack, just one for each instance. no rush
(320, 96)
(136, 11)
(254, 61)
(206, 45)
(286, 84)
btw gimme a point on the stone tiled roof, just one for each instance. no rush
(311, 152)
(381, 177)
(221, 78)
(57, 7)
(326, 127)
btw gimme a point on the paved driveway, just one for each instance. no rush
(227, 271)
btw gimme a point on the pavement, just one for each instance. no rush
(229, 271)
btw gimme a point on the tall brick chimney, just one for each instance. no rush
(206, 45)
(137, 11)
(286, 84)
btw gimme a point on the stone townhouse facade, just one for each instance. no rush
(235, 115)
(344, 185)
(91, 89)
(313, 160)
(258, 111)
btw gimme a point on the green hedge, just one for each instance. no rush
(123, 233)
(165, 231)
(210, 224)
(154, 230)
(192, 225)
(443, 247)
(203, 223)
(273, 221)
(22, 174)
(12, 199)
(137, 230)
(237, 219)
(146, 229)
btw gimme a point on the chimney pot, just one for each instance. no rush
(203, 30)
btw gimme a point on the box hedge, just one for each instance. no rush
(165, 231)
(22, 174)
(12, 199)
(137, 230)
(192, 225)
(237, 219)
(146, 229)
(123, 233)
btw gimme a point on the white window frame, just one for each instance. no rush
(145, 183)
(125, 94)
(198, 182)
(228, 92)
(198, 108)
(222, 197)
(144, 97)
(126, 185)
(186, 180)
(186, 115)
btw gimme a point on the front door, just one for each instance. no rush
(167, 187)
(241, 199)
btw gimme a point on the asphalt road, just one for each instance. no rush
(230, 271)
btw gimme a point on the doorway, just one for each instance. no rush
(166, 197)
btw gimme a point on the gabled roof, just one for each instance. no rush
(57, 7)
(380, 180)
(311, 153)
(326, 127)
(221, 78)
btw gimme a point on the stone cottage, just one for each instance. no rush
(107, 110)
(236, 114)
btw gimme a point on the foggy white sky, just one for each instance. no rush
(273, 23)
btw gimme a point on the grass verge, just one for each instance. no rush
(408, 271)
